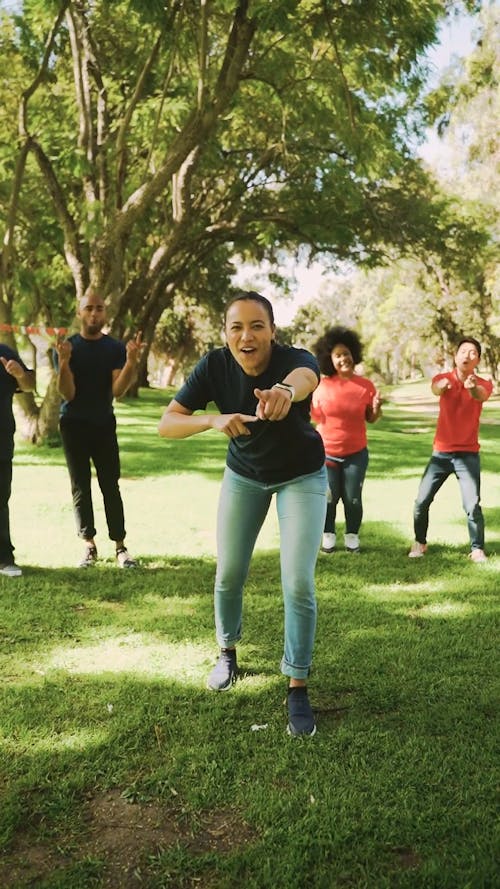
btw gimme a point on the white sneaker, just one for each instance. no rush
(478, 555)
(11, 570)
(124, 559)
(417, 550)
(351, 543)
(329, 541)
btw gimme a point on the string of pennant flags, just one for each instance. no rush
(36, 329)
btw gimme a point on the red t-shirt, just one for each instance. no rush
(339, 410)
(458, 421)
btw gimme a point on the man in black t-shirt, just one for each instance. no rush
(93, 369)
(14, 376)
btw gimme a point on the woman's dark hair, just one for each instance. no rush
(330, 339)
(250, 296)
(472, 341)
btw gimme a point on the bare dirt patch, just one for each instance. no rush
(406, 858)
(123, 836)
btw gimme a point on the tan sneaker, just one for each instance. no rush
(478, 555)
(417, 550)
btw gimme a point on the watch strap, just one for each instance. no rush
(287, 387)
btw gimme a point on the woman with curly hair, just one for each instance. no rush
(342, 405)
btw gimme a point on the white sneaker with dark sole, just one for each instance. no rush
(329, 541)
(10, 569)
(89, 558)
(351, 543)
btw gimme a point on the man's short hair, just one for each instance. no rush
(470, 339)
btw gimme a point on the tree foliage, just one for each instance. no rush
(441, 276)
(151, 143)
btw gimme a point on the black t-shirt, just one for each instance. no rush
(92, 363)
(274, 451)
(8, 386)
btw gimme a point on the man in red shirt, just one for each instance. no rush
(456, 447)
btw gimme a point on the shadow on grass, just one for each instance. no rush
(172, 596)
(103, 688)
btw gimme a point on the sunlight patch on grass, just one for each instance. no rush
(378, 632)
(255, 682)
(390, 592)
(78, 741)
(446, 609)
(133, 653)
(161, 606)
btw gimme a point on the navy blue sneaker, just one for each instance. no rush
(223, 674)
(300, 716)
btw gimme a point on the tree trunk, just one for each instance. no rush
(40, 424)
(28, 410)
(48, 418)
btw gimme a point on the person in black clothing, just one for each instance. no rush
(263, 392)
(93, 368)
(14, 376)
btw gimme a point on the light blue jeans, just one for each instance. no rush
(243, 506)
(467, 468)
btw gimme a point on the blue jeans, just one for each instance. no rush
(243, 506)
(345, 479)
(466, 466)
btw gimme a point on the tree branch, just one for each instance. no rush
(197, 128)
(347, 91)
(49, 46)
(71, 244)
(75, 24)
(123, 129)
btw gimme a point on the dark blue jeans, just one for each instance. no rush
(83, 442)
(345, 480)
(467, 468)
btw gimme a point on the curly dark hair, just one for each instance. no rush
(335, 335)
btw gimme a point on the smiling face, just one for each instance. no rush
(466, 359)
(342, 360)
(92, 314)
(249, 335)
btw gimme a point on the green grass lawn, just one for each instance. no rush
(118, 768)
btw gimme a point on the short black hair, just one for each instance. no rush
(250, 296)
(472, 340)
(335, 335)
